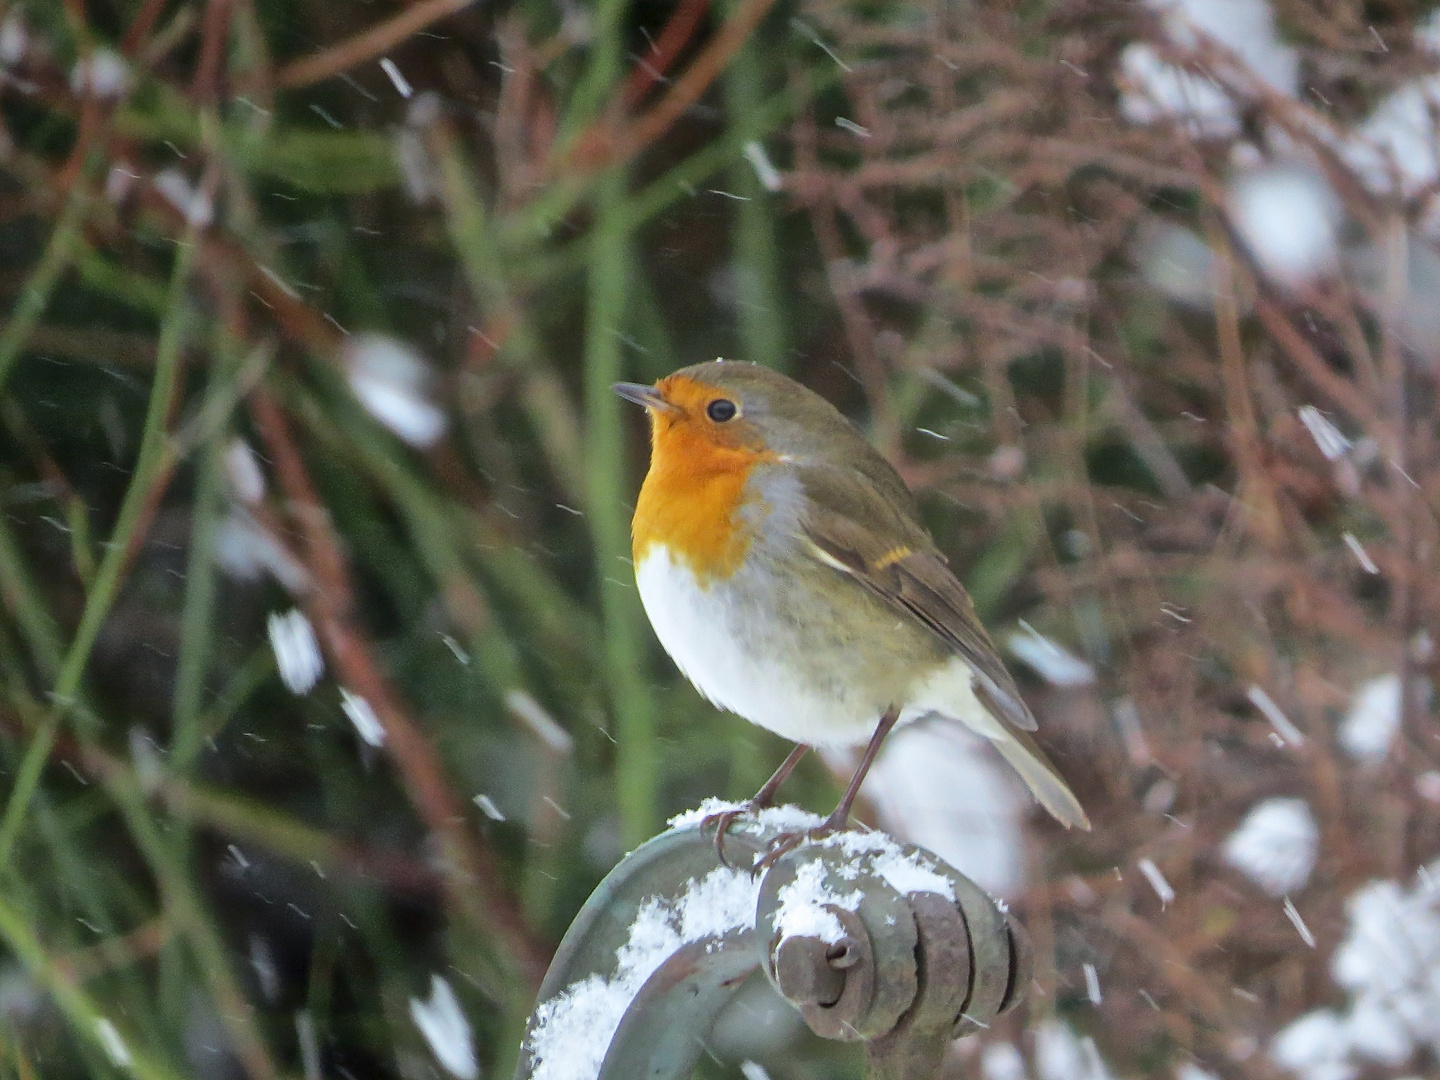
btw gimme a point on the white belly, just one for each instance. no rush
(725, 643)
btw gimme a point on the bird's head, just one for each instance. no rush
(736, 411)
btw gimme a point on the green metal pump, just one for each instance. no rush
(872, 941)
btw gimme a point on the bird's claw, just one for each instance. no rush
(787, 842)
(721, 823)
(779, 846)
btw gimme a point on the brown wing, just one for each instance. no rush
(897, 561)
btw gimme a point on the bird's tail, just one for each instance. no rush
(1027, 759)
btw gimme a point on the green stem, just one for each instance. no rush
(542, 391)
(198, 615)
(755, 257)
(83, 1014)
(110, 573)
(637, 760)
(36, 292)
(594, 92)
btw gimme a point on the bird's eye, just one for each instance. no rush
(721, 410)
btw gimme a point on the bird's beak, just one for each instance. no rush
(644, 395)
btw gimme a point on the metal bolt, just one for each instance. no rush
(805, 972)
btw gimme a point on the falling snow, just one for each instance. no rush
(1055, 664)
(243, 478)
(1276, 845)
(297, 653)
(1373, 721)
(395, 384)
(362, 716)
(442, 1022)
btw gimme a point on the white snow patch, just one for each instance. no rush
(573, 1029)
(1001, 1061)
(1060, 1054)
(1315, 1047)
(104, 74)
(911, 872)
(297, 653)
(1155, 90)
(362, 715)
(938, 786)
(1055, 664)
(1389, 966)
(1275, 846)
(246, 552)
(780, 818)
(1373, 720)
(442, 1022)
(1287, 216)
(243, 478)
(787, 818)
(688, 819)
(394, 383)
(1376, 1033)
(1394, 150)
(802, 906)
(192, 204)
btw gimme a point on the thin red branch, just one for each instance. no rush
(366, 45)
(606, 143)
(678, 31)
(473, 882)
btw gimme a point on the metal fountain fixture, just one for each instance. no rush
(872, 941)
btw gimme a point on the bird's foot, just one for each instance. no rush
(721, 823)
(787, 842)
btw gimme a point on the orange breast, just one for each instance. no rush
(691, 500)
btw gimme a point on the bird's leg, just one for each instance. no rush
(761, 799)
(840, 817)
(766, 795)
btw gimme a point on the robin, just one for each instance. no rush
(783, 565)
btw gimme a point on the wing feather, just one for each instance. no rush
(903, 567)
